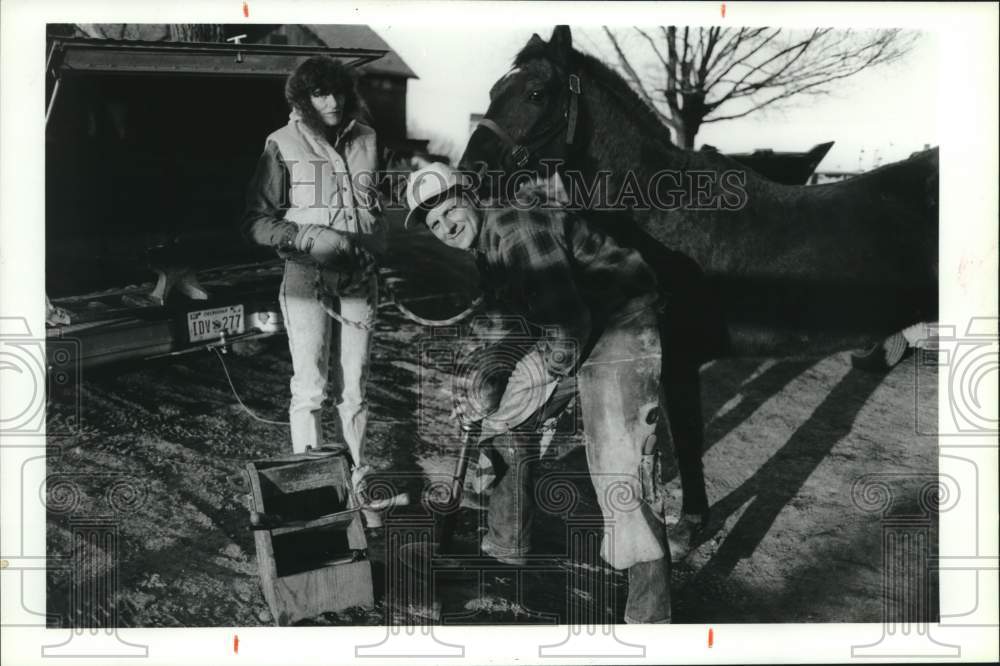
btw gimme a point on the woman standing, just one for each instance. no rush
(313, 198)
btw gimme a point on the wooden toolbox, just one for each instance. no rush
(311, 547)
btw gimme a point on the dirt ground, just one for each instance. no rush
(786, 440)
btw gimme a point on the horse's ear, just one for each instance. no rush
(561, 42)
(535, 41)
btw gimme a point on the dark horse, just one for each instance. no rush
(746, 265)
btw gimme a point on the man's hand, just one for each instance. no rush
(472, 406)
(479, 385)
(468, 411)
(359, 481)
(329, 248)
(529, 387)
(459, 412)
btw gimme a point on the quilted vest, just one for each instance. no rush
(331, 186)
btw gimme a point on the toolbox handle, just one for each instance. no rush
(239, 481)
(260, 520)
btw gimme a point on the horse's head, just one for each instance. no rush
(533, 112)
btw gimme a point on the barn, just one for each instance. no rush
(383, 83)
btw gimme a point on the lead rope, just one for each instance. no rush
(325, 299)
(405, 311)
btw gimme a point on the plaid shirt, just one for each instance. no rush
(551, 267)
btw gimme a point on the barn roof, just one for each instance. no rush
(356, 36)
(350, 36)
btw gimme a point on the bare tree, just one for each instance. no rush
(707, 75)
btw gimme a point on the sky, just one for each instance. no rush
(880, 115)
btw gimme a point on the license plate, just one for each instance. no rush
(209, 324)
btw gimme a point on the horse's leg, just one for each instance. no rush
(684, 334)
(681, 391)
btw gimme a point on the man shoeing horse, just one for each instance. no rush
(548, 266)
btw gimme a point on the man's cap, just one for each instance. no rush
(427, 186)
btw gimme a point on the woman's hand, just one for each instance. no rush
(330, 248)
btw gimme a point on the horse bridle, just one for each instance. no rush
(520, 153)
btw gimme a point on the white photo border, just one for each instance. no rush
(967, 134)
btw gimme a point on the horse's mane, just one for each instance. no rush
(613, 82)
(653, 129)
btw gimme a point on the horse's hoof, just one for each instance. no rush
(881, 356)
(681, 537)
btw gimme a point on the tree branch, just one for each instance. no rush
(760, 67)
(652, 45)
(673, 95)
(737, 60)
(635, 80)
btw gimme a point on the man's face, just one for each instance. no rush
(329, 106)
(455, 222)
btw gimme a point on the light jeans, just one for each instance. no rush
(312, 336)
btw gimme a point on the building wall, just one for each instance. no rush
(386, 100)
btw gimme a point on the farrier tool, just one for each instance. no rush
(417, 556)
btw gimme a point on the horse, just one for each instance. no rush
(746, 266)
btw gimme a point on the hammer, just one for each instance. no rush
(447, 529)
(412, 553)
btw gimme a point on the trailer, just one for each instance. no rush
(787, 168)
(149, 147)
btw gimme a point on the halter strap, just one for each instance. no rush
(571, 112)
(520, 153)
